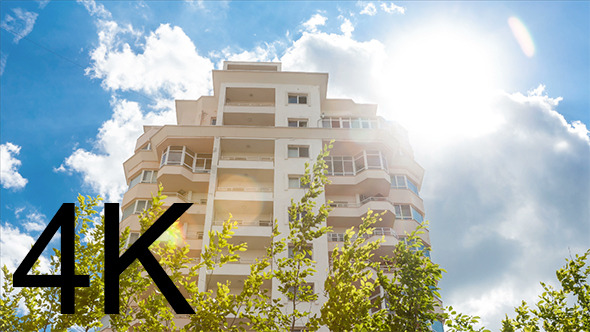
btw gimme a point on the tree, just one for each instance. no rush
(363, 292)
(565, 309)
(144, 308)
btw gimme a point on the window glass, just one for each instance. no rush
(356, 123)
(402, 211)
(293, 152)
(347, 165)
(303, 152)
(302, 99)
(417, 215)
(163, 161)
(298, 152)
(133, 236)
(335, 122)
(147, 177)
(294, 182)
(292, 123)
(326, 123)
(345, 122)
(128, 211)
(292, 99)
(412, 187)
(213, 121)
(174, 157)
(134, 181)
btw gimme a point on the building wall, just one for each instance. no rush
(249, 164)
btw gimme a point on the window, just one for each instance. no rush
(146, 176)
(403, 211)
(298, 152)
(297, 123)
(136, 208)
(297, 98)
(213, 121)
(340, 165)
(295, 182)
(147, 147)
(406, 211)
(133, 236)
(346, 122)
(403, 182)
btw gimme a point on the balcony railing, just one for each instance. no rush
(241, 103)
(263, 223)
(181, 155)
(185, 198)
(378, 231)
(353, 165)
(248, 158)
(246, 189)
(364, 201)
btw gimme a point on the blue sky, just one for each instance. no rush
(497, 112)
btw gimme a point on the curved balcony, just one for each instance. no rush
(247, 161)
(405, 227)
(365, 171)
(349, 214)
(388, 234)
(142, 159)
(244, 193)
(257, 232)
(405, 196)
(199, 206)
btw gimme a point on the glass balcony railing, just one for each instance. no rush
(181, 155)
(352, 165)
(247, 189)
(262, 223)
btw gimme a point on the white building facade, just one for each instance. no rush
(242, 151)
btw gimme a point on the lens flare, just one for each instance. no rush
(522, 35)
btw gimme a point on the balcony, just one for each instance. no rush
(247, 153)
(249, 106)
(362, 172)
(199, 205)
(388, 234)
(182, 169)
(253, 230)
(245, 184)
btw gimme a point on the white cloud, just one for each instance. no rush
(43, 3)
(350, 63)
(315, 21)
(34, 222)
(3, 58)
(95, 9)
(9, 175)
(169, 63)
(347, 28)
(514, 201)
(369, 9)
(102, 168)
(165, 67)
(15, 246)
(21, 24)
(506, 205)
(392, 8)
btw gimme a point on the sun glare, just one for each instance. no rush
(441, 81)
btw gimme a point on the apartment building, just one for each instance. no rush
(243, 149)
